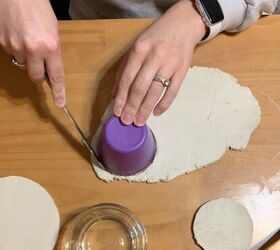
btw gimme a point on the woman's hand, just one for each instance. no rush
(28, 31)
(164, 49)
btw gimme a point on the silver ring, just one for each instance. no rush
(16, 63)
(165, 82)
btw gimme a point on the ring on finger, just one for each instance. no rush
(16, 63)
(165, 82)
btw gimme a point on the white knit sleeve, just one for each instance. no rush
(240, 14)
(248, 13)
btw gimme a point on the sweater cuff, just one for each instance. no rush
(234, 13)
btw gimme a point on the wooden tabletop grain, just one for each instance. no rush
(38, 141)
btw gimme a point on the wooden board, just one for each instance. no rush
(37, 140)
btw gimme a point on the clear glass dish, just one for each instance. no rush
(103, 227)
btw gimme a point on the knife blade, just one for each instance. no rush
(78, 129)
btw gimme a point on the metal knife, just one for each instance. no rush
(78, 129)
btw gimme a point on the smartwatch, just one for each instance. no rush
(212, 15)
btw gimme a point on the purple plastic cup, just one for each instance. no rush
(125, 150)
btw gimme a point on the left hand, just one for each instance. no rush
(164, 49)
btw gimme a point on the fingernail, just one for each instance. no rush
(157, 112)
(118, 111)
(139, 121)
(60, 102)
(126, 119)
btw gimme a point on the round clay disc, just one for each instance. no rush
(223, 224)
(29, 219)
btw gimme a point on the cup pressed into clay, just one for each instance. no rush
(125, 150)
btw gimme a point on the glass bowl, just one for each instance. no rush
(103, 227)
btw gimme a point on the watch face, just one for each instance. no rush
(213, 10)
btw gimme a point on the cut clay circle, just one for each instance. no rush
(29, 219)
(223, 224)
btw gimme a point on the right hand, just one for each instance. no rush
(29, 32)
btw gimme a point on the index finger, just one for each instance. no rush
(54, 68)
(127, 74)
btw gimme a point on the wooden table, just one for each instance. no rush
(37, 140)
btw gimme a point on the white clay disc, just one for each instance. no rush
(29, 219)
(223, 224)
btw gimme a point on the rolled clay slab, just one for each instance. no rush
(223, 224)
(211, 114)
(29, 219)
